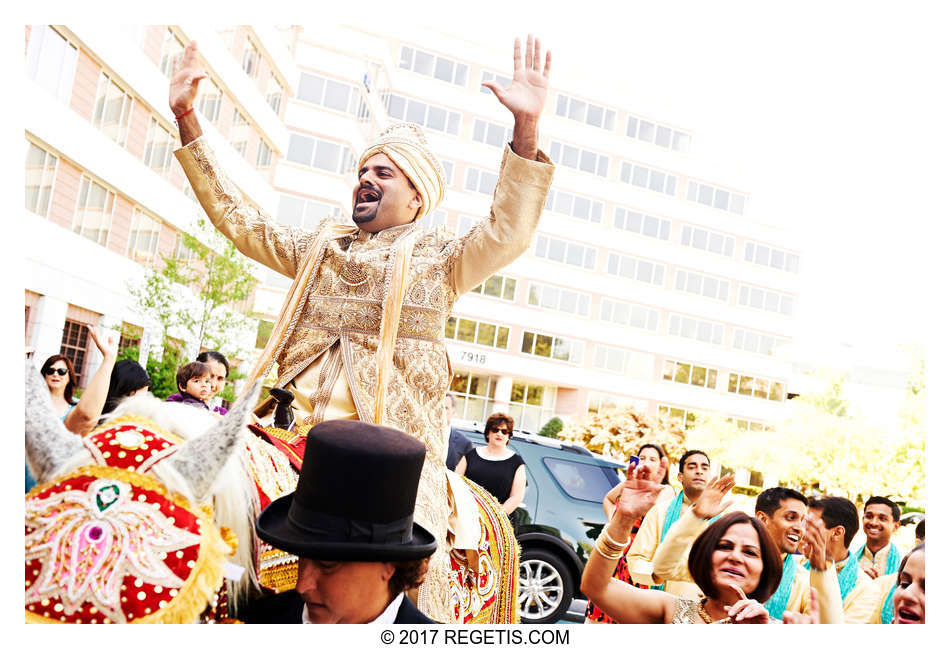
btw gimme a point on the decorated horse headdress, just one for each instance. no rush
(120, 528)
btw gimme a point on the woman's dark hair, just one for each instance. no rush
(700, 556)
(214, 355)
(189, 371)
(127, 377)
(71, 384)
(408, 574)
(900, 569)
(499, 418)
(662, 453)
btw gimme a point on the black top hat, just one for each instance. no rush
(355, 497)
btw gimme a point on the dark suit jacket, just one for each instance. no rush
(459, 445)
(287, 608)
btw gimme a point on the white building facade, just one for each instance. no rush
(650, 281)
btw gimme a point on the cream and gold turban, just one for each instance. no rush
(405, 144)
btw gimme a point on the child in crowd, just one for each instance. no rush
(194, 385)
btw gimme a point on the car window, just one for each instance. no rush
(578, 480)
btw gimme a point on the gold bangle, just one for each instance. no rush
(607, 554)
(611, 539)
(609, 542)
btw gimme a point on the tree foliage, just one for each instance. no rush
(161, 371)
(619, 433)
(554, 426)
(219, 280)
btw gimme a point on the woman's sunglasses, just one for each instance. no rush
(50, 371)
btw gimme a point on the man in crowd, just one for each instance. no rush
(859, 595)
(880, 555)
(358, 546)
(782, 511)
(459, 444)
(693, 474)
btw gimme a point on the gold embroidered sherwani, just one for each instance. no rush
(328, 361)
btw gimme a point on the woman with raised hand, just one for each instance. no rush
(732, 557)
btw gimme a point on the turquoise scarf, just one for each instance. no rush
(672, 515)
(887, 612)
(848, 576)
(893, 559)
(778, 602)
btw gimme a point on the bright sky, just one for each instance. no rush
(831, 115)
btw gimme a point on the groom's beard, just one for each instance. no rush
(366, 215)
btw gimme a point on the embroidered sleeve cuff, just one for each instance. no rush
(538, 172)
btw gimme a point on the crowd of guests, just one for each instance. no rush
(199, 382)
(690, 557)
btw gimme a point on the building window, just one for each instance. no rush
(94, 209)
(492, 133)
(766, 300)
(612, 359)
(662, 136)
(585, 112)
(480, 333)
(474, 396)
(648, 226)
(321, 154)
(647, 178)
(172, 49)
(565, 252)
(143, 237)
(695, 329)
(634, 268)
(750, 425)
(628, 314)
(131, 336)
(553, 347)
(251, 57)
(40, 172)
(580, 207)
(240, 131)
(481, 181)
(113, 110)
(275, 94)
(580, 159)
(423, 114)
(716, 197)
(433, 220)
(598, 402)
(465, 223)
(264, 155)
(559, 299)
(753, 386)
(304, 213)
(685, 418)
(209, 100)
(449, 167)
(771, 257)
(322, 91)
(51, 61)
(500, 79)
(531, 405)
(432, 65)
(182, 251)
(160, 146)
(73, 346)
(679, 372)
(720, 244)
(497, 286)
(705, 285)
(755, 342)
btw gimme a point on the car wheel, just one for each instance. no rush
(546, 587)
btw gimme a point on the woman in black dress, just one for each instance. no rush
(496, 467)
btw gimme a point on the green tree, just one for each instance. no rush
(619, 433)
(218, 279)
(161, 371)
(552, 428)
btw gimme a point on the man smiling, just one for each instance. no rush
(880, 555)
(360, 335)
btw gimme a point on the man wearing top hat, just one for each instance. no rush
(350, 522)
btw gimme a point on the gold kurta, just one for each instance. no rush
(330, 353)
